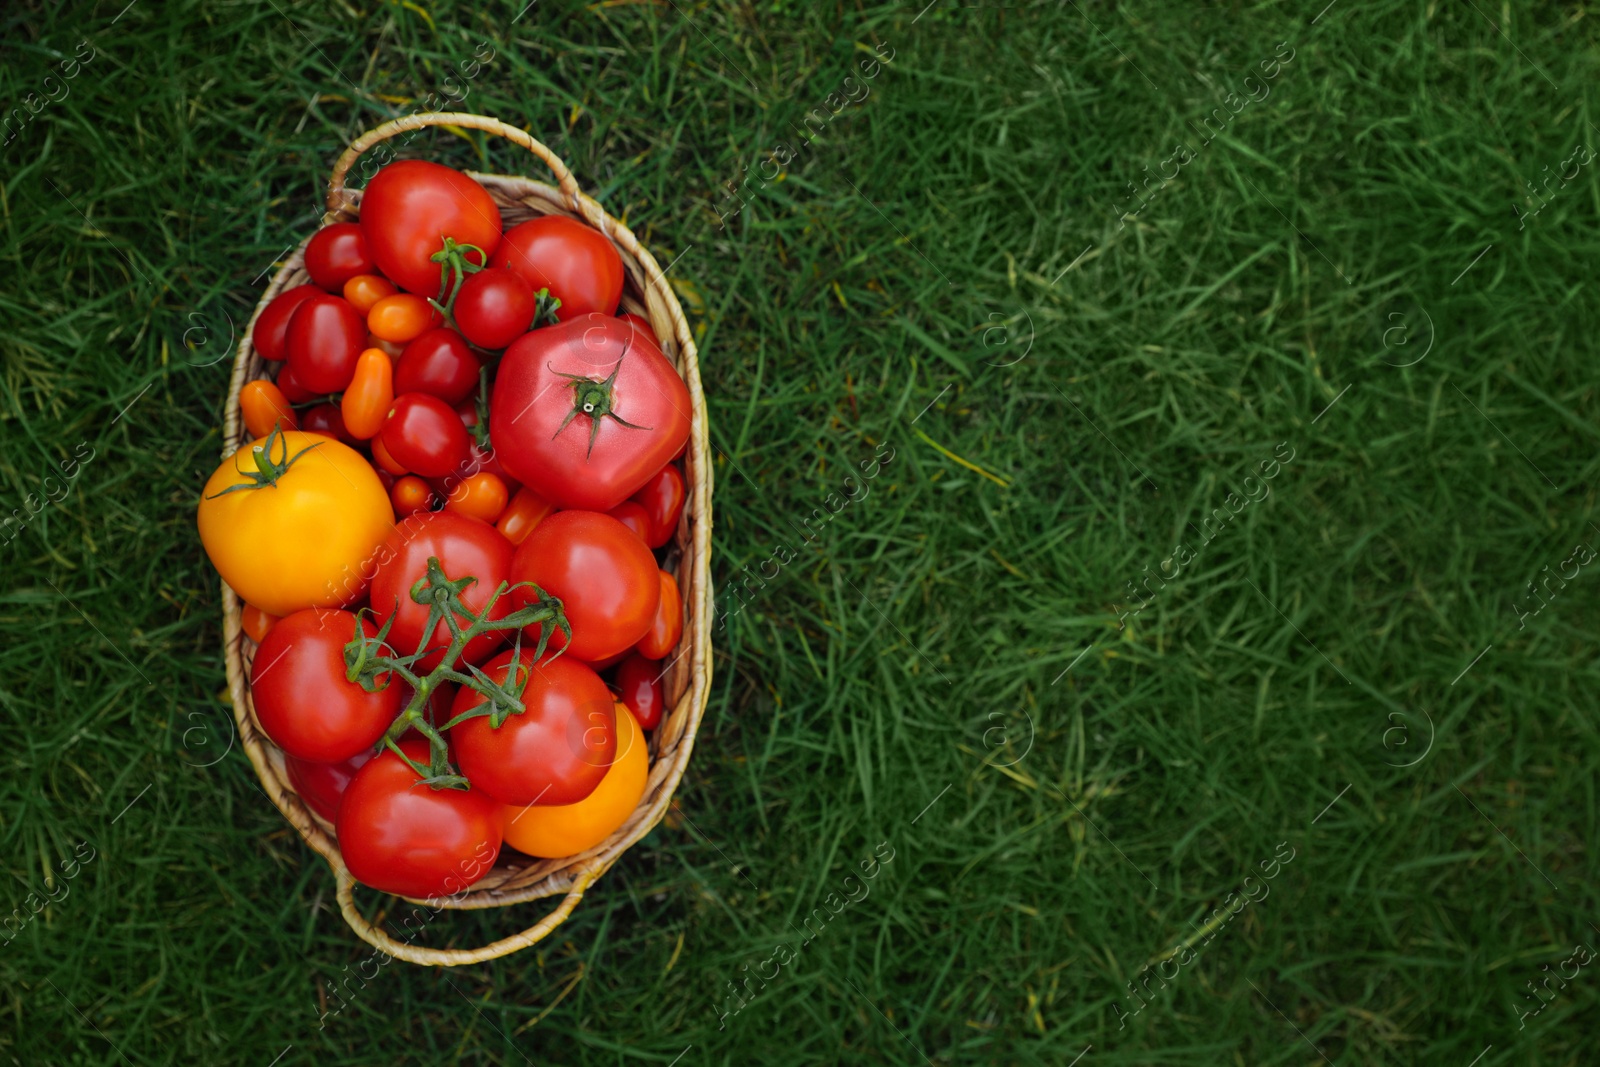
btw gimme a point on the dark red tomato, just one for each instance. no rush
(440, 364)
(467, 548)
(336, 254)
(577, 263)
(553, 752)
(325, 338)
(668, 625)
(267, 335)
(321, 785)
(327, 420)
(408, 209)
(603, 574)
(414, 840)
(302, 698)
(293, 391)
(639, 686)
(633, 517)
(639, 322)
(662, 499)
(425, 436)
(494, 307)
(586, 412)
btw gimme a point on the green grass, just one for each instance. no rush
(902, 678)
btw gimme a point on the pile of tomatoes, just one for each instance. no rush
(448, 530)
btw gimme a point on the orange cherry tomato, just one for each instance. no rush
(482, 496)
(263, 406)
(401, 318)
(411, 495)
(364, 290)
(369, 395)
(552, 831)
(526, 510)
(257, 623)
(668, 627)
(634, 517)
(384, 461)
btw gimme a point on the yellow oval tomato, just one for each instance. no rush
(560, 830)
(304, 536)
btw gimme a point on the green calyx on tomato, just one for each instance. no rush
(548, 305)
(454, 266)
(593, 397)
(268, 470)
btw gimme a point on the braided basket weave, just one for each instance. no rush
(515, 878)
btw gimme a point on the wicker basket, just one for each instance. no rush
(514, 879)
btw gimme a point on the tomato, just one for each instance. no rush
(557, 832)
(256, 623)
(414, 840)
(336, 254)
(440, 364)
(369, 396)
(482, 496)
(556, 750)
(525, 511)
(390, 349)
(299, 537)
(300, 693)
(639, 685)
(325, 337)
(292, 389)
(494, 307)
(423, 435)
(325, 419)
(586, 412)
(633, 517)
(263, 406)
(408, 209)
(267, 335)
(667, 627)
(364, 290)
(662, 498)
(466, 548)
(320, 785)
(603, 574)
(639, 322)
(410, 495)
(401, 318)
(577, 263)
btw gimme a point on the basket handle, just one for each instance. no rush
(374, 935)
(340, 199)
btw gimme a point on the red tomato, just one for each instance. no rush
(525, 511)
(639, 685)
(414, 840)
(467, 548)
(603, 574)
(293, 391)
(267, 334)
(553, 752)
(662, 499)
(639, 322)
(321, 785)
(325, 337)
(336, 254)
(326, 420)
(668, 625)
(494, 307)
(364, 290)
(577, 263)
(633, 517)
(424, 435)
(407, 210)
(410, 495)
(482, 496)
(440, 364)
(586, 412)
(302, 698)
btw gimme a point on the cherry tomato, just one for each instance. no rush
(639, 322)
(577, 263)
(440, 364)
(321, 785)
(364, 290)
(639, 685)
(401, 318)
(494, 307)
(336, 254)
(390, 349)
(556, 750)
(256, 623)
(410, 206)
(662, 499)
(633, 517)
(603, 574)
(668, 625)
(292, 389)
(326, 420)
(482, 496)
(325, 338)
(553, 833)
(423, 435)
(267, 335)
(411, 495)
(414, 840)
(302, 698)
(466, 548)
(526, 510)
(383, 461)
(369, 396)
(263, 406)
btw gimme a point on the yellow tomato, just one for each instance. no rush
(556, 831)
(303, 526)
